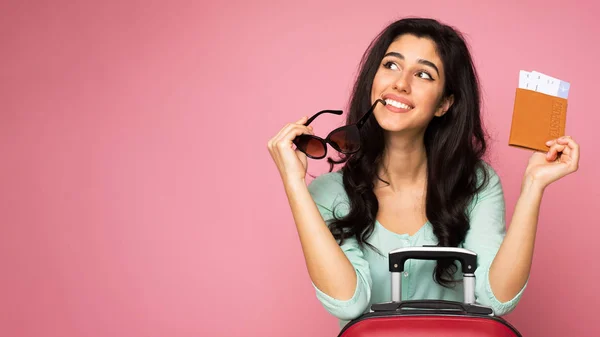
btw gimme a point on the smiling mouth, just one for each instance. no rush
(397, 104)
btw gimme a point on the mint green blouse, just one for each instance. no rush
(487, 229)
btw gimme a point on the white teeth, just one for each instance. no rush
(397, 104)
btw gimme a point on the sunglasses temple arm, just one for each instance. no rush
(312, 118)
(368, 113)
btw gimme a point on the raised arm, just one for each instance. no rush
(339, 274)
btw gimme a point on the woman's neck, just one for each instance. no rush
(404, 162)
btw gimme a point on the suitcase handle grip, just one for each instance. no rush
(467, 258)
(440, 305)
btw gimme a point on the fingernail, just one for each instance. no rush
(548, 143)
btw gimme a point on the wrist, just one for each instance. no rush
(294, 184)
(532, 184)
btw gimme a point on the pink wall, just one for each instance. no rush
(138, 197)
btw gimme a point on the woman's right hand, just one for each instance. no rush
(291, 163)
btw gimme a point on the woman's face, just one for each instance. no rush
(411, 80)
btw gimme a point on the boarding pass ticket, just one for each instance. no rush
(543, 83)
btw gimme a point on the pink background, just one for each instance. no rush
(137, 194)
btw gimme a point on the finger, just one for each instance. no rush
(284, 129)
(273, 141)
(569, 143)
(572, 147)
(554, 150)
(286, 138)
(287, 127)
(302, 120)
(566, 151)
(296, 131)
(566, 140)
(553, 141)
(276, 138)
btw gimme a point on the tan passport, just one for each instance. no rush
(537, 118)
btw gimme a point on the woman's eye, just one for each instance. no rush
(425, 75)
(390, 65)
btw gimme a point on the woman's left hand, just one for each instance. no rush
(561, 159)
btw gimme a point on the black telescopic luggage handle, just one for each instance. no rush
(468, 261)
(467, 258)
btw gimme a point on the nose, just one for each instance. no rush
(402, 83)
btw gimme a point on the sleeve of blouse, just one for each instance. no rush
(328, 193)
(487, 231)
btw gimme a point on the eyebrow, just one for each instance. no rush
(421, 61)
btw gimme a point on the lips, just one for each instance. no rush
(396, 103)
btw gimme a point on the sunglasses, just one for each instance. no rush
(345, 139)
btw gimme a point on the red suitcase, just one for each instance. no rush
(430, 318)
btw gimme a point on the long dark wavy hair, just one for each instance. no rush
(455, 144)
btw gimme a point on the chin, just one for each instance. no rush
(401, 122)
(392, 124)
(394, 129)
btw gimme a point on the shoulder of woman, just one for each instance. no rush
(490, 186)
(487, 175)
(328, 189)
(328, 183)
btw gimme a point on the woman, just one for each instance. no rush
(419, 178)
